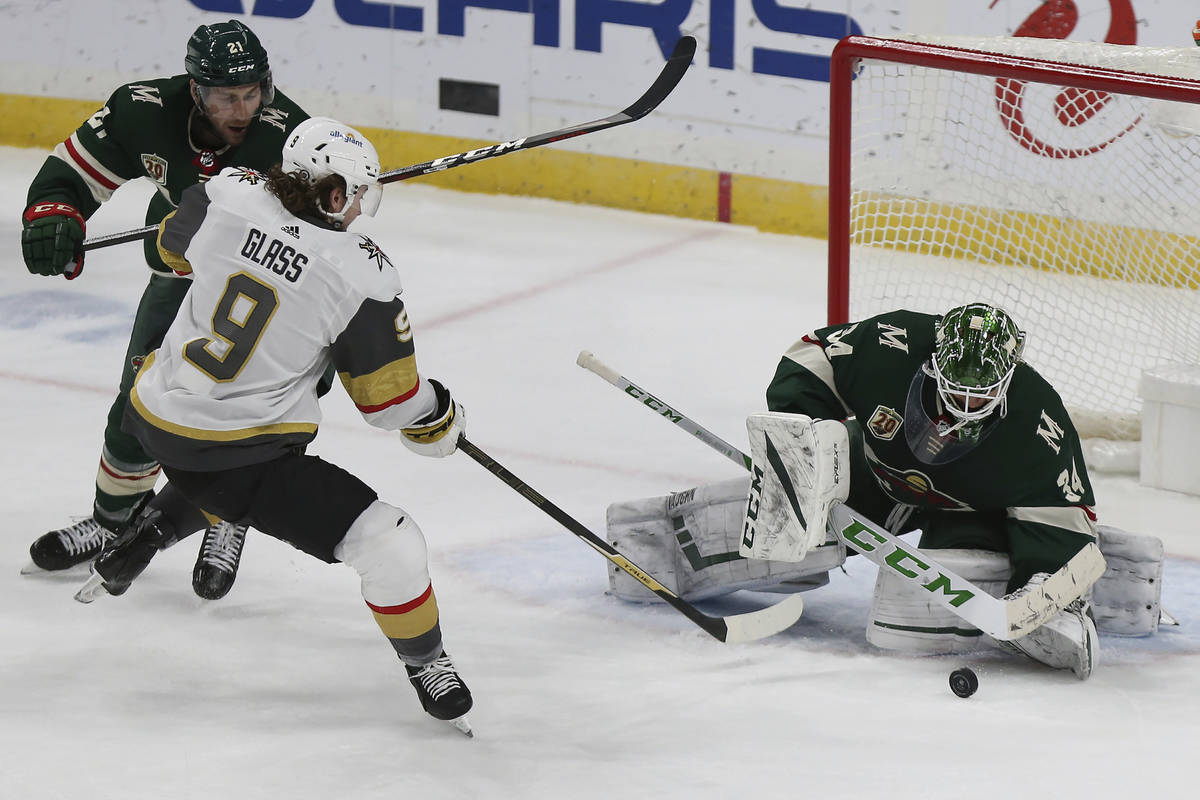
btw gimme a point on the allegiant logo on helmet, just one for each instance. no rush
(346, 136)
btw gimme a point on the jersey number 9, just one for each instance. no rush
(240, 318)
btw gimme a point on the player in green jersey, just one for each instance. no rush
(951, 430)
(953, 434)
(177, 131)
(944, 429)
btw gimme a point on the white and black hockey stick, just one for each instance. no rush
(735, 628)
(999, 618)
(672, 73)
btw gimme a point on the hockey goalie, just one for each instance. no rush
(911, 423)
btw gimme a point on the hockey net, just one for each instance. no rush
(1059, 180)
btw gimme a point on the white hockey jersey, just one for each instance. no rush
(274, 298)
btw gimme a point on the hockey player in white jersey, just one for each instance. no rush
(228, 402)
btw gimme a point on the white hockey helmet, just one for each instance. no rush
(321, 146)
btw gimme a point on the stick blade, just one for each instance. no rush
(672, 73)
(1069, 582)
(755, 625)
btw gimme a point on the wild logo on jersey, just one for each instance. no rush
(913, 487)
(373, 252)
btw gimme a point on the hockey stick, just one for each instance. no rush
(999, 618)
(134, 235)
(735, 628)
(672, 73)
(595, 365)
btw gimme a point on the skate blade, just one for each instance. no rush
(462, 726)
(31, 568)
(91, 590)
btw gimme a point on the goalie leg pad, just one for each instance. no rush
(904, 616)
(800, 468)
(1126, 600)
(689, 542)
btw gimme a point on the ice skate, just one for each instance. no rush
(67, 547)
(126, 557)
(442, 692)
(217, 564)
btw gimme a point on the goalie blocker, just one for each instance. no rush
(800, 468)
(690, 540)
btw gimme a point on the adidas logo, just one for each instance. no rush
(291, 230)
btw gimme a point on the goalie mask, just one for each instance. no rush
(321, 146)
(977, 348)
(227, 54)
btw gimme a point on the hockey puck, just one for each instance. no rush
(963, 682)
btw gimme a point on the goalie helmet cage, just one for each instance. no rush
(1058, 180)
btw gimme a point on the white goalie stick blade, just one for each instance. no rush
(1033, 609)
(999, 618)
(765, 622)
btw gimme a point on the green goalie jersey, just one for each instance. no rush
(1027, 464)
(144, 131)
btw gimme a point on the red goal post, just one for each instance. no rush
(1059, 180)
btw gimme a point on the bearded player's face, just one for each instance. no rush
(231, 109)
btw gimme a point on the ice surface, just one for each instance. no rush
(285, 689)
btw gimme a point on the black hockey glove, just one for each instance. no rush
(52, 239)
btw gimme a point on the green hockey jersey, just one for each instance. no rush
(1028, 464)
(144, 130)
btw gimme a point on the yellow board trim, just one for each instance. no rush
(772, 205)
(41, 122)
(1065, 246)
(202, 434)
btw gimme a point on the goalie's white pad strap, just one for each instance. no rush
(800, 469)
(999, 618)
(689, 541)
(905, 616)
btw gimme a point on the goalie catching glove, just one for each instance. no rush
(436, 434)
(801, 467)
(52, 239)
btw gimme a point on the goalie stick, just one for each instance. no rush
(997, 617)
(746, 627)
(672, 73)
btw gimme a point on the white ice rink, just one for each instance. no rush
(286, 689)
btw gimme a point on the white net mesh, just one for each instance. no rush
(1075, 210)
